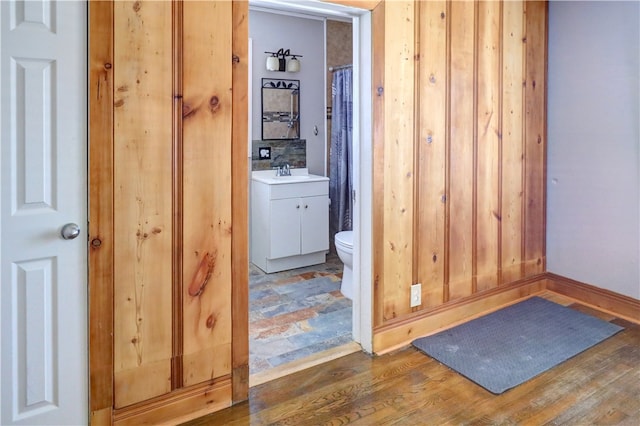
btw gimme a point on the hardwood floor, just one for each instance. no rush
(597, 387)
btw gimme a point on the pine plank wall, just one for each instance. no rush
(459, 152)
(459, 183)
(165, 158)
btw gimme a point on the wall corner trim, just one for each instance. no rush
(605, 300)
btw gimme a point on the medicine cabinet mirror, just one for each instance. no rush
(280, 109)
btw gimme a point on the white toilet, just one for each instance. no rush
(344, 247)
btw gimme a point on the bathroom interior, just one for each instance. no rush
(300, 297)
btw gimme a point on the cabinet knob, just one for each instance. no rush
(306, 206)
(298, 206)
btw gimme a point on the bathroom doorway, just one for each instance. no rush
(361, 305)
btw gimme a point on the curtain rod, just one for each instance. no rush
(339, 67)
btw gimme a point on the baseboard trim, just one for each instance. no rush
(608, 301)
(401, 333)
(179, 406)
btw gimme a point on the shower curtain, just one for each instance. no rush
(340, 160)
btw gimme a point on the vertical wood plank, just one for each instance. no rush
(398, 157)
(461, 172)
(206, 209)
(512, 140)
(142, 177)
(535, 137)
(432, 148)
(488, 119)
(240, 204)
(378, 75)
(101, 210)
(177, 193)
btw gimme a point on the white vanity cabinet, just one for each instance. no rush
(289, 222)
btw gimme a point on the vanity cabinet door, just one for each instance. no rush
(314, 224)
(285, 228)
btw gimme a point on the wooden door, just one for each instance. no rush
(44, 185)
(169, 249)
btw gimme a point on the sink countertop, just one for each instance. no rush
(297, 176)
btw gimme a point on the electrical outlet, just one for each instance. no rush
(264, 153)
(416, 295)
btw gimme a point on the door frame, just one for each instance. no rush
(101, 253)
(360, 14)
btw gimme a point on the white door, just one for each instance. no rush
(284, 227)
(43, 177)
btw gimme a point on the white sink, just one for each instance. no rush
(297, 175)
(293, 177)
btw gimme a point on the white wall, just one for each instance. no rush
(272, 31)
(593, 201)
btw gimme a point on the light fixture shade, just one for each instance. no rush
(273, 63)
(293, 65)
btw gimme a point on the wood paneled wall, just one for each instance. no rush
(459, 148)
(164, 218)
(459, 169)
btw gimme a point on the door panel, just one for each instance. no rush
(284, 227)
(44, 185)
(315, 236)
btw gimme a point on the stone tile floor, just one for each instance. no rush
(296, 313)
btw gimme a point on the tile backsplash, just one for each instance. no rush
(293, 152)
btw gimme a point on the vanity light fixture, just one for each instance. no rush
(273, 63)
(278, 61)
(293, 65)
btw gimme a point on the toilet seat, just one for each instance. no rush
(345, 239)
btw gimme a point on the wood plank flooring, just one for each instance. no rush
(597, 387)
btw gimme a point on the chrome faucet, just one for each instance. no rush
(283, 170)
